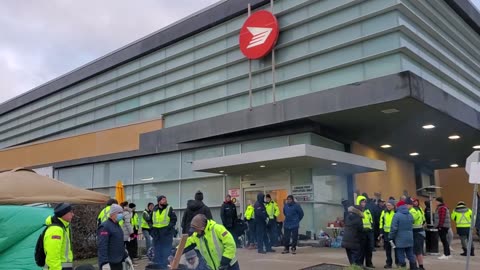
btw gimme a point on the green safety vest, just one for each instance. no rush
(216, 243)
(386, 220)
(161, 220)
(272, 209)
(144, 224)
(250, 213)
(463, 220)
(367, 220)
(103, 215)
(418, 218)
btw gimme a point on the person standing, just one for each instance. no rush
(379, 208)
(132, 245)
(418, 231)
(386, 219)
(272, 212)
(428, 211)
(164, 220)
(147, 225)
(127, 224)
(110, 240)
(215, 243)
(353, 235)
(401, 233)
(250, 218)
(57, 241)
(293, 215)
(368, 241)
(228, 213)
(194, 207)
(462, 215)
(442, 223)
(261, 219)
(103, 215)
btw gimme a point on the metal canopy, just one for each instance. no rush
(331, 162)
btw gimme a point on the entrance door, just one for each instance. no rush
(278, 194)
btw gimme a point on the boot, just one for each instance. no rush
(464, 252)
(472, 252)
(413, 266)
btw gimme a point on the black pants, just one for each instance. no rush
(262, 238)
(272, 232)
(293, 233)
(252, 238)
(116, 266)
(368, 244)
(234, 234)
(443, 233)
(132, 248)
(354, 256)
(388, 250)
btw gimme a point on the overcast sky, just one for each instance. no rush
(41, 40)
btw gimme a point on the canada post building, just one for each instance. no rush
(377, 96)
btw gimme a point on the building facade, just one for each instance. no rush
(172, 113)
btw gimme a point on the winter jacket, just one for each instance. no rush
(228, 213)
(462, 216)
(442, 217)
(110, 246)
(194, 207)
(127, 224)
(353, 232)
(402, 228)
(293, 215)
(168, 230)
(55, 241)
(146, 222)
(260, 210)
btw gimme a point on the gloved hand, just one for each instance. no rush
(132, 235)
(106, 266)
(224, 263)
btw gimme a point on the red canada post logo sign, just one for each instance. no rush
(259, 34)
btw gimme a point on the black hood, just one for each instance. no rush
(261, 197)
(194, 205)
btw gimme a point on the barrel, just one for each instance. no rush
(431, 241)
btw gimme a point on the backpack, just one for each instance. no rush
(40, 256)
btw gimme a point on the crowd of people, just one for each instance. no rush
(401, 226)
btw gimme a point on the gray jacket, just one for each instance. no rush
(127, 223)
(442, 212)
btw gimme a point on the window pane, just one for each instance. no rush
(212, 189)
(107, 174)
(143, 194)
(160, 167)
(80, 176)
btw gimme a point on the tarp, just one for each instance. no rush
(24, 186)
(21, 226)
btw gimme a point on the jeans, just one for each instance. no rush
(408, 252)
(262, 238)
(368, 244)
(388, 250)
(148, 239)
(272, 232)
(294, 235)
(443, 233)
(464, 241)
(162, 247)
(354, 256)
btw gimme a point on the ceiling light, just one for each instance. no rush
(147, 179)
(385, 146)
(454, 137)
(476, 147)
(262, 166)
(221, 171)
(429, 126)
(389, 111)
(454, 165)
(414, 154)
(334, 164)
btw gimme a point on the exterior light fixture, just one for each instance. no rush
(476, 147)
(414, 154)
(454, 137)
(429, 126)
(454, 165)
(385, 146)
(262, 166)
(334, 164)
(221, 171)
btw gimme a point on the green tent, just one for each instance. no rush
(21, 226)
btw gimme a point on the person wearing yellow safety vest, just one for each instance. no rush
(385, 225)
(132, 245)
(418, 231)
(368, 242)
(215, 243)
(462, 215)
(57, 241)
(146, 225)
(272, 213)
(250, 218)
(103, 215)
(164, 220)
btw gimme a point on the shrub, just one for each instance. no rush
(84, 231)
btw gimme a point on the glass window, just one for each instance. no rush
(264, 144)
(143, 194)
(159, 167)
(212, 189)
(107, 174)
(80, 176)
(189, 156)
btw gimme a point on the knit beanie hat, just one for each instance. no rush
(199, 222)
(461, 203)
(198, 196)
(392, 202)
(409, 201)
(400, 203)
(159, 198)
(115, 209)
(132, 205)
(268, 196)
(62, 209)
(290, 197)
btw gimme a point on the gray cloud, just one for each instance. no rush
(41, 40)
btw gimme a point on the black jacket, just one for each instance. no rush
(352, 236)
(111, 248)
(166, 231)
(228, 213)
(194, 207)
(260, 210)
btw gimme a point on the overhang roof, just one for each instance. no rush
(327, 161)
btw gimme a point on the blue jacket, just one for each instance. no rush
(260, 210)
(402, 228)
(293, 215)
(111, 248)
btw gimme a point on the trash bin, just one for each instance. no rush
(431, 241)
